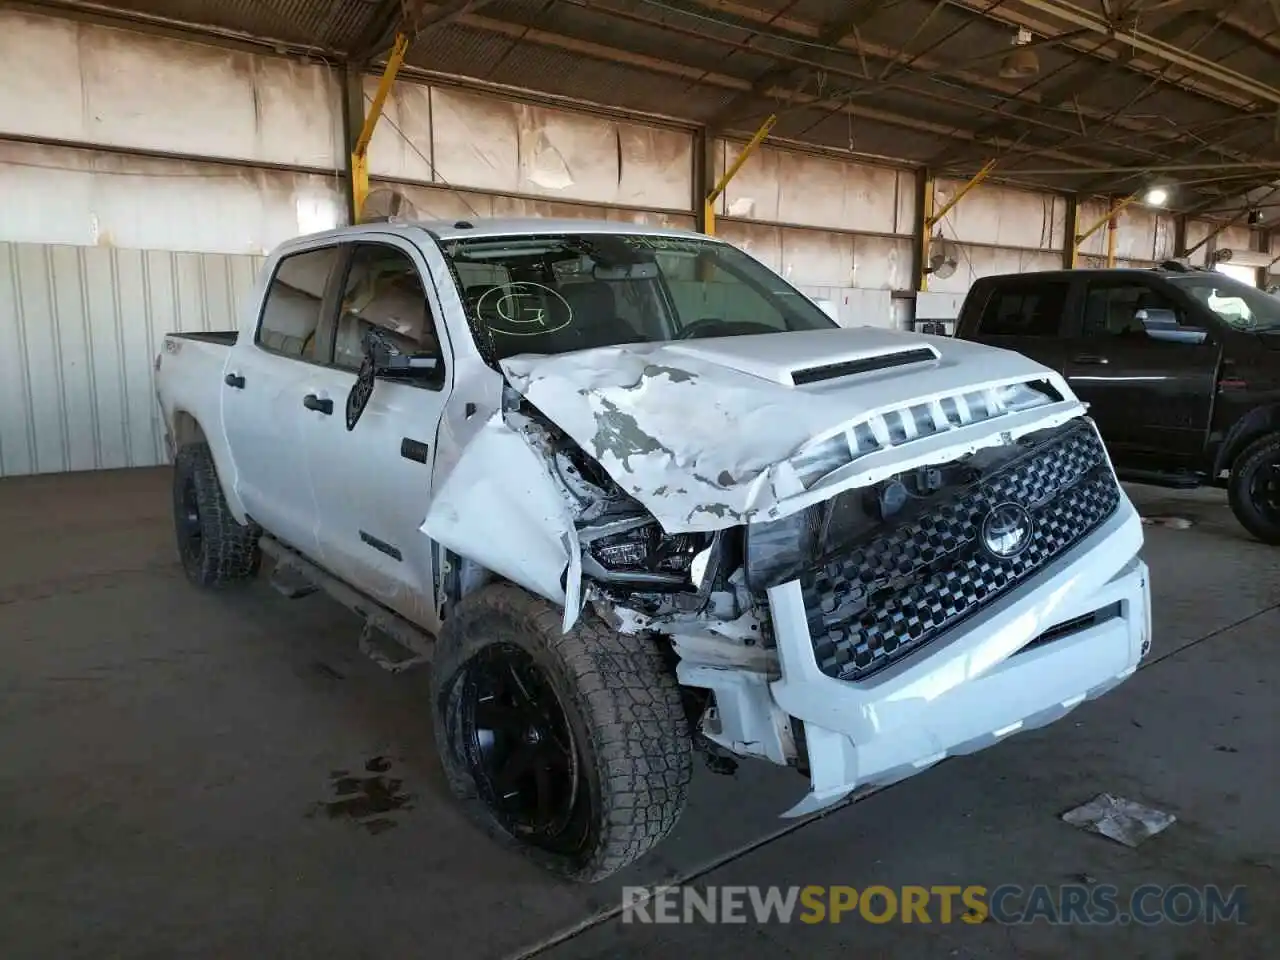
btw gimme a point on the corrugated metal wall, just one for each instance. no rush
(79, 331)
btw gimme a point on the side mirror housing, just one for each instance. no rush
(1162, 324)
(389, 363)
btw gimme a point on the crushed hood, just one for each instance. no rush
(704, 433)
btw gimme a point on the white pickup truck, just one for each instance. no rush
(635, 497)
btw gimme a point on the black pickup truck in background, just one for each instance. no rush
(1180, 367)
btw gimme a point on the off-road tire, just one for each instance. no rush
(1251, 515)
(624, 710)
(227, 551)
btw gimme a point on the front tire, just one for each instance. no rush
(1254, 489)
(216, 550)
(572, 748)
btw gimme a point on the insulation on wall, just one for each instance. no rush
(1142, 235)
(973, 262)
(79, 82)
(79, 331)
(90, 198)
(461, 139)
(789, 187)
(1001, 216)
(821, 258)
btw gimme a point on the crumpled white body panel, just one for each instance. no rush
(523, 529)
(702, 432)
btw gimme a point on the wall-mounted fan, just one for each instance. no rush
(386, 205)
(942, 258)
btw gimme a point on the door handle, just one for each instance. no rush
(234, 380)
(312, 402)
(1090, 358)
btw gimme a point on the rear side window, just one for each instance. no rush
(1024, 310)
(291, 313)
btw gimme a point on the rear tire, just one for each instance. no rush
(1254, 489)
(597, 715)
(216, 550)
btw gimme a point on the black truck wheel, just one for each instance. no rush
(215, 548)
(1254, 489)
(572, 748)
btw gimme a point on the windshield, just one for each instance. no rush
(1239, 305)
(555, 294)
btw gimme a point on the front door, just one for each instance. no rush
(264, 391)
(1152, 399)
(373, 484)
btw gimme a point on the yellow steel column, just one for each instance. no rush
(1106, 220)
(924, 238)
(709, 203)
(360, 153)
(930, 218)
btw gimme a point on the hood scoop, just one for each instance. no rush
(848, 368)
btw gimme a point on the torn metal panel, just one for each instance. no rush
(715, 433)
(500, 508)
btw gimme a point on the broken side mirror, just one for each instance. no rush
(383, 360)
(1162, 324)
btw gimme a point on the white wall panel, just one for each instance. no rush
(66, 80)
(401, 144)
(856, 307)
(79, 330)
(444, 203)
(785, 186)
(1141, 233)
(974, 262)
(90, 198)
(819, 258)
(1002, 216)
(491, 144)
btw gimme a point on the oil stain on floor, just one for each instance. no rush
(367, 798)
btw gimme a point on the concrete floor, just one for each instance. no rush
(169, 761)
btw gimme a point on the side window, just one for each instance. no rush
(295, 296)
(1109, 308)
(1024, 310)
(383, 290)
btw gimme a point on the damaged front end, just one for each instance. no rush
(925, 590)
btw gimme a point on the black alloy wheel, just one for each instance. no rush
(1254, 489)
(186, 515)
(520, 749)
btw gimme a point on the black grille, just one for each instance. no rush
(904, 587)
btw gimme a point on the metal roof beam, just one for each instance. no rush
(410, 16)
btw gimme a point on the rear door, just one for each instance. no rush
(1028, 315)
(264, 389)
(373, 484)
(1152, 399)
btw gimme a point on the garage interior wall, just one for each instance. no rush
(146, 177)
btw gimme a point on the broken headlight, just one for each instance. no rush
(780, 550)
(636, 550)
(1023, 396)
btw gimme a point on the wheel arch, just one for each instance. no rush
(1258, 422)
(186, 429)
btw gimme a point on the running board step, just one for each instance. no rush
(1154, 478)
(387, 638)
(388, 652)
(290, 583)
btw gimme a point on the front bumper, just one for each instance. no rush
(976, 685)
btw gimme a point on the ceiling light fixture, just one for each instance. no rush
(1023, 61)
(1156, 196)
